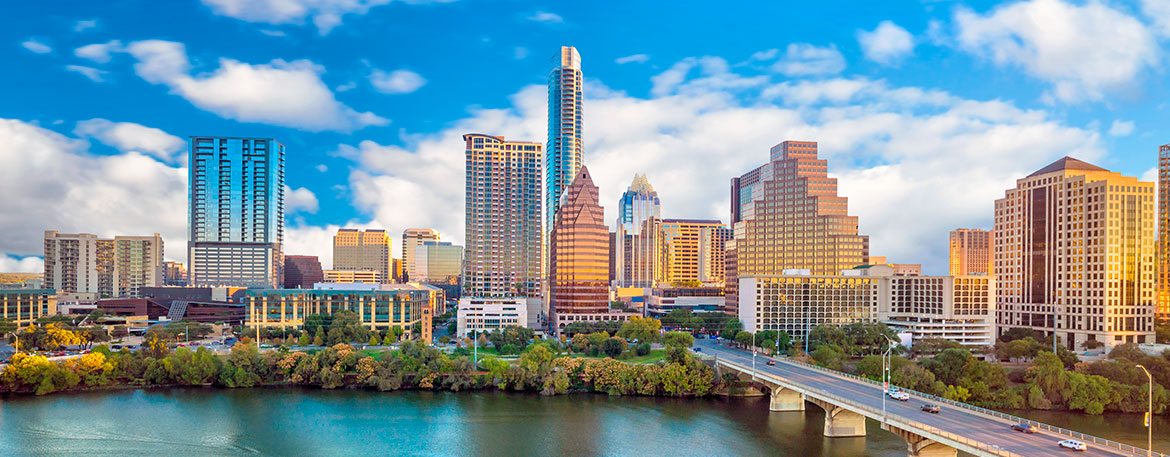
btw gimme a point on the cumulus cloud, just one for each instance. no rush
(93, 74)
(396, 82)
(289, 94)
(299, 200)
(1158, 12)
(62, 186)
(1121, 128)
(99, 52)
(81, 26)
(128, 136)
(1081, 50)
(36, 46)
(803, 59)
(325, 14)
(546, 17)
(887, 44)
(893, 149)
(636, 58)
(30, 264)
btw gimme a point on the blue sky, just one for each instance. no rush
(925, 110)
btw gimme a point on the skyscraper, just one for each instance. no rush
(502, 221)
(1074, 255)
(369, 249)
(636, 256)
(684, 243)
(562, 155)
(439, 262)
(786, 214)
(79, 263)
(138, 263)
(970, 252)
(579, 256)
(412, 238)
(1163, 232)
(713, 253)
(236, 219)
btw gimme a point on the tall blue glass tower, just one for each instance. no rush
(562, 154)
(236, 212)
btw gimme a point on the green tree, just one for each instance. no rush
(679, 339)
(319, 338)
(829, 356)
(641, 329)
(731, 329)
(744, 338)
(305, 339)
(613, 346)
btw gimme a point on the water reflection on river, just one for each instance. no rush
(347, 422)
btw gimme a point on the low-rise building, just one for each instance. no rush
(954, 308)
(797, 301)
(352, 276)
(663, 300)
(376, 308)
(25, 306)
(485, 314)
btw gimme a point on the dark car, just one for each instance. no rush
(934, 409)
(698, 349)
(1026, 428)
(771, 363)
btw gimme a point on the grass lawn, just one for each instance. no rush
(654, 356)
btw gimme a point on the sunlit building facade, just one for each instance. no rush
(236, 212)
(970, 252)
(1163, 239)
(79, 263)
(579, 260)
(363, 250)
(24, 306)
(352, 276)
(376, 308)
(1074, 255)
(786, 214)
(952, 308)
(438, 262)
(636, 250)
(502, 220)
(138, 263)
(685, 242)
(412, 238)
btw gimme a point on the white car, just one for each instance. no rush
(1073, 444)
(898, 395)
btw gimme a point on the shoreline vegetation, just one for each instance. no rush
(592, 360)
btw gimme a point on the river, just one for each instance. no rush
(293, 422)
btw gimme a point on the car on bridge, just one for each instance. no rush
(1073, 444)
(1026, 428)
(933, 409)
(771, 363)
(898, 395)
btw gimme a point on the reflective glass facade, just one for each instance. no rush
(562, 154)
(236, 211)
(636, 256)
(579, 260)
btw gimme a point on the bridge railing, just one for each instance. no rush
(902, 420)
(1008, 417)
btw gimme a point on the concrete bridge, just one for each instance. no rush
(848, 401)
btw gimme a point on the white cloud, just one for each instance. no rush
(803, 59)
(714, 75)
(276, 33)
(888, 44)
(1150, 175)
(1121, 128)
(347, 86)
(99, 52)
(93, 74)
(62, 186)
(766, 55)
(299, 200)
(289, 94)
(546, 17)
(322, 168)
(128, 136)
(84, 25)
(30, 264)
(301, 239)
(1158, 12)
(636, 58)
(325, 14)
(1082, 50)
(36, 46)
(396, 82)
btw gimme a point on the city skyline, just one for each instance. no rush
(635, 90)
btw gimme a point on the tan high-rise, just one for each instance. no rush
(970, 252)
(412, 238)
(502, 220)
(1163, 260)
(786, 214)
(579, 260)
(138, 263)
(692, 250)
(1074, 254)
(355, 250)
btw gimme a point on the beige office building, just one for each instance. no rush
(970, 252)
(412, 240)
(138, 263)
(953, 308)
(352, 276)
(24, 306)
(1074, 254)
(1163, 238)
(692, 250)
(360, 250)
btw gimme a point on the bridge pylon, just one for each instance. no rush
(920, 446)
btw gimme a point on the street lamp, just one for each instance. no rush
(886, 377)
(753, 357)
(1149, 415)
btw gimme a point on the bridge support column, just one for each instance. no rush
(919, 446)
(786, 400)
(840, 422)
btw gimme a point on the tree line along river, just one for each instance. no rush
(297, 421)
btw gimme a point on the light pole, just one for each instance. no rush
(753, 357)
(1149, 415)
(886, 378)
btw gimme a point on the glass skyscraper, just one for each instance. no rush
(579, 260)
(236, 211)
(562, 154)
(636, 251)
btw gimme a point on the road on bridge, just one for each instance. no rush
(951, 419)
